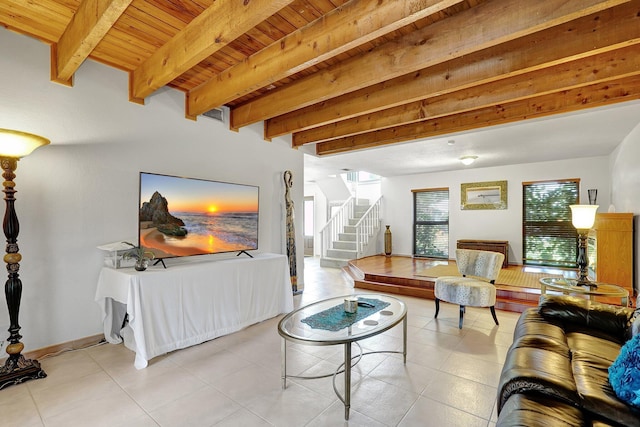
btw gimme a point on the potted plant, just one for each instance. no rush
(141, 256)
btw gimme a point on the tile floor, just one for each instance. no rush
(449, 379)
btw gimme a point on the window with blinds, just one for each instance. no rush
(431, 223)
(549, 238)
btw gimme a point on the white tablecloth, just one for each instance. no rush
(191, 302)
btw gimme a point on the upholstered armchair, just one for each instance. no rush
(476, 291)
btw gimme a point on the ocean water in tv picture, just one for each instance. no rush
(186, 216)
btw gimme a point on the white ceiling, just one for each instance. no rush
(593, 132)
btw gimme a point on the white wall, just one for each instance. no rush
(625, 185)
(320, 208)
(486, 224)
(82, 190)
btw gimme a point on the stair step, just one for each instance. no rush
(342, 254)
(347, 237)
(333, 262)
(338, 244)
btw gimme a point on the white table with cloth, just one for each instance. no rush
(191, 302)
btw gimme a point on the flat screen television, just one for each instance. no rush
(181, 216)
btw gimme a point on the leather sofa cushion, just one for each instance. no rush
(540, 368)
(594, 345)
(531, 322)
(533, 410)
(613, 321)
(596, 394)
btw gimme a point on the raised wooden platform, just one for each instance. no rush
(399, 275)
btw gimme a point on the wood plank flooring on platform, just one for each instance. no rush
(401, 275)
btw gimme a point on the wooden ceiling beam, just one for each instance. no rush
(590, 35)
(90, 23)
(213, 29)
(486, 25)
(591, 96)
(588, 71)
(336, 32)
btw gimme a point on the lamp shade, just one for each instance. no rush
(583, 216)
(14, 143)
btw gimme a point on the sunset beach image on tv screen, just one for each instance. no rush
(187, 216)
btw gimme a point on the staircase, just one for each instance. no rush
(350, 233)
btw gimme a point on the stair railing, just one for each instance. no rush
(335, 225)
(367, 227)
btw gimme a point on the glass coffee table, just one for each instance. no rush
(592, 290)
(327, 323)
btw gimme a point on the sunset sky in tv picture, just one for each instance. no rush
(199, 196)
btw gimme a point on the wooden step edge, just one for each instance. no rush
(395, 289)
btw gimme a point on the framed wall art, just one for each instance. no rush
(483, 195)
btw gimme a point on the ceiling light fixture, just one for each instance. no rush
(467, 160)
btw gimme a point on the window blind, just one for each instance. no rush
(549, 238)
(431, 223)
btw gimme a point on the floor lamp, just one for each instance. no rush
(583, 217)
(13, 146)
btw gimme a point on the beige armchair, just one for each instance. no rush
(476, 291)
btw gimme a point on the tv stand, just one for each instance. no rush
(244, 252)
(160, 261)
(190, 302)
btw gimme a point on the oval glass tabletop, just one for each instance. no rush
(327, 323)
(593, 289)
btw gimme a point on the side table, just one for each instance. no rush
(594, 289)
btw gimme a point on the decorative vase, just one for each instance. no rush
(141, 264)
(593, 196)
(387, 241)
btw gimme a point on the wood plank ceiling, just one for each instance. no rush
(349, 75)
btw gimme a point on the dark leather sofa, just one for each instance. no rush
(556, 370)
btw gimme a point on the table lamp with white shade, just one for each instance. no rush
(583, 217)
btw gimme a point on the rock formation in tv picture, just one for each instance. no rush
(156, 210)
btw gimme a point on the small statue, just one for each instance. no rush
(291, 231)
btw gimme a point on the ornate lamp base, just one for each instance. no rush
(19, 370)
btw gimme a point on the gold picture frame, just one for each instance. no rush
(483, 195)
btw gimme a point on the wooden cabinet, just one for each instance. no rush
(501, 246)
(610, 250)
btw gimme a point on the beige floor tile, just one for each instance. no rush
(159, 390)
(249, 384)
(113, 409)
(473, 369)
(69, 396)
(431, 335)
(17, 406)
(243, 418)
(298, 362)
(64, 368)
(430, 413)
(410, 376)
(466, 395)
(294, 406)
(217, 365)
(334, 415)
(204, 407)
(325, 386)
(381, 401)
(430, 356)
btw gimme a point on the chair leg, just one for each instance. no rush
(493, 313)
(437, 307)
(461, 316)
